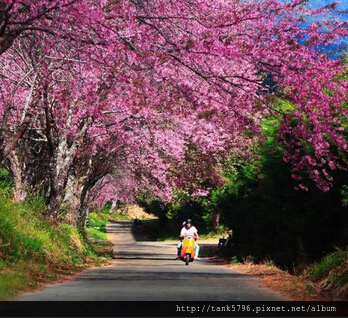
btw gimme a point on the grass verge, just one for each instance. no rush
(331, 274)
(324, 280)
(33, 252)
(290, 286)
(96, 231)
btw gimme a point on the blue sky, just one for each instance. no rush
(320, 3)
(343, 6)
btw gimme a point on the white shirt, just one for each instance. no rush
(188, 232)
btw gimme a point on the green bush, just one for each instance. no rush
(172, 214)
(322, 269)
(234, 260)
(5, 179)
(31, 247)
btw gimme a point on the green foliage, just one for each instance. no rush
(325, 266)
(269, 219)
(154, 206)
(234, 260)
(5, 178)
(331, 273)
(5, 183)
(172, 214)
(32, 249)
(309, 288)
(27, 236)
(344, 195)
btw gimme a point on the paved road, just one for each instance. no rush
(143, 270)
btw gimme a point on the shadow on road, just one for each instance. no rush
(145, 270)
(119, 227)
(144, 258)
(133, 243)
(162, 276)
(140, 233)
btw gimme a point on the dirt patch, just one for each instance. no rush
(296, 288)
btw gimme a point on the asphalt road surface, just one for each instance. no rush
(146, 270)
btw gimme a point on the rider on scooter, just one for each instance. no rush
(189, 230)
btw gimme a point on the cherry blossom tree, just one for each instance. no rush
(67, 19)
(119, 92)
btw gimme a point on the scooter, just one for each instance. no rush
(187, 253)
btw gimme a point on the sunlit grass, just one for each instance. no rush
(33, 251)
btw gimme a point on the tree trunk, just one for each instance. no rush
(72, 199)
(58, 181)
(59, 168)
(88, 185)
(54, 204)
(83, 212)
(63, 153)
(216, 221)
(20, 185)
(11, 143)
(114, 206)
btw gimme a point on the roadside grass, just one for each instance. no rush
(331, 274)
(33, 251)
(96, 231)
(293, 287)
(99, 219)
(324, 280)
(323, 268)
(28, 275)
(96, 234)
